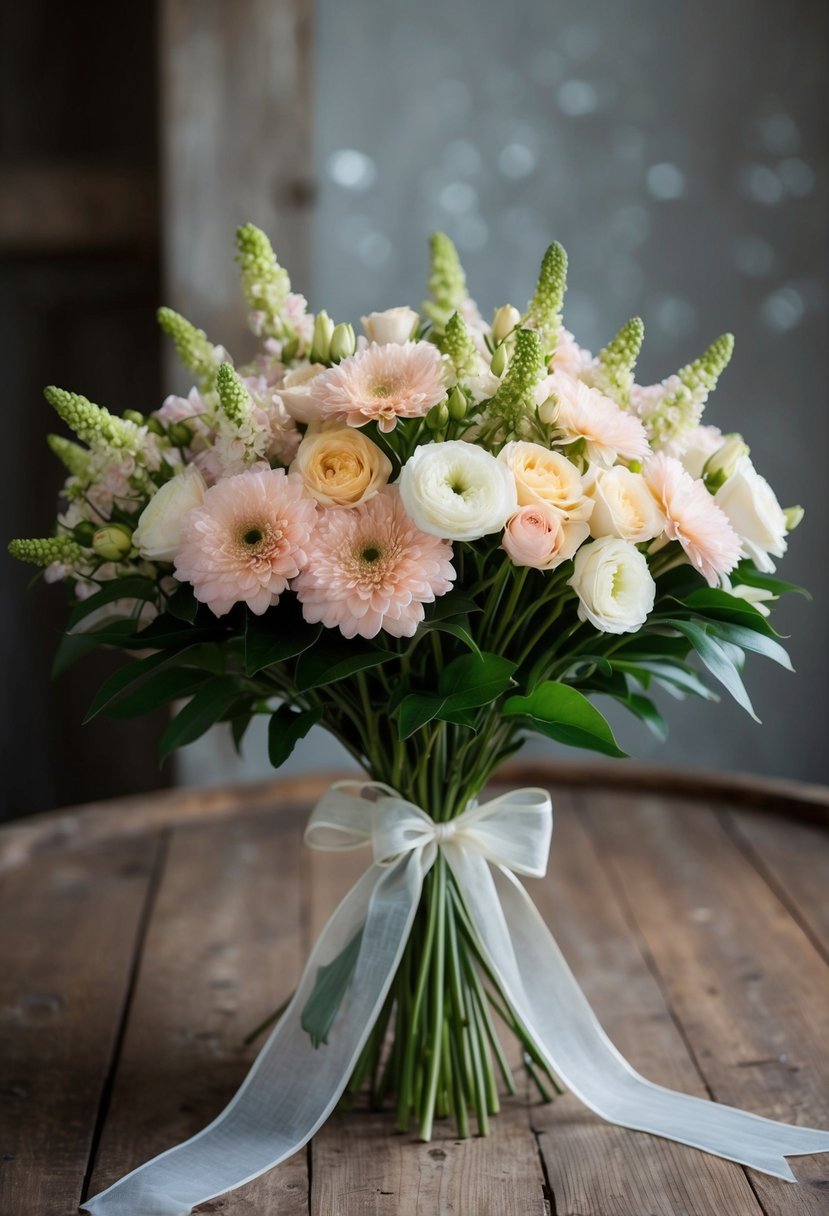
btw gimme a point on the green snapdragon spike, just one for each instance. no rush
(614, 367)
(544, 310)
(43, 551)
(265, 284)
(92, 423)
(681, 408)
(514, 399)
(233, 396)
(447, 281)
(193, 346)
(72, 456)
(457, 343)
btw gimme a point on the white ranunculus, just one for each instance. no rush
(457, 490)
(614, 585)
(623, 506)
(158, 534)
(755, 514)
(393, 325)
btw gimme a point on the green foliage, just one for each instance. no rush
(286, 728)
(565, 714)
(469, 682)
(330, 986)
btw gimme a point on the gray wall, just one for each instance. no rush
(677, 150)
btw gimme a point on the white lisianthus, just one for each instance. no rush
(614, 585)
(695, 447)
(623, 506)
(394, 325)
(755, 514)
(457, 490)
(756, 596)
(158, 534)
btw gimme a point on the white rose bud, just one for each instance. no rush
(395, 325)
(158, 534)
(755, 514)
(724, 462)
(504, 322)
(614, 585)
(623, 506)
(457, 490)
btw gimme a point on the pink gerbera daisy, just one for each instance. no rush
(246, 540)
(369, 568)
(693, 518)
(382, 384)
(581, 412)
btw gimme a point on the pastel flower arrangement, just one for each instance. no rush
(432, 539)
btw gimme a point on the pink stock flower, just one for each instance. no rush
(248, 538)
(382, 384)
(693, 518)
(369, 568)
(581, 412)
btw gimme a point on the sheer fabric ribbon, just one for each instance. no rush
(293, 1087)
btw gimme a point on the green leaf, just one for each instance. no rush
(454, 603)
(238, 728)
(182, 604)
(286, 728)
(330, 986)
(454, 627)
(720, 606)
(335, 659)
(749, 639)
(466, 684)
(717, 659)
(132, 673)
(275, 637)
(645, 710)
(565, 714)
(167, 684)
(752, 577)
(678, 674)
(75, 646)
(213, 698)
(131, 587)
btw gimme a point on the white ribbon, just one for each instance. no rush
(293, 1087)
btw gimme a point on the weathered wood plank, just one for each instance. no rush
(224, 948)
(747, 985)
(362, 1167)
(70, 929)
(595, 1168)
(794, 857)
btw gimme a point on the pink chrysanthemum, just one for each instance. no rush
(247, 539)
(382, 384)
(584, 413)
(369, 568)
(693, 518)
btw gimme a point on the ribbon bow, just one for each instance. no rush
(293, 1087)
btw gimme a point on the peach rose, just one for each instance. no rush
(341, 467)
(546, 479)
(538, 536)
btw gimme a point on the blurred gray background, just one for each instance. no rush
(677, 150)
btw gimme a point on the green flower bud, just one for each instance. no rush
(321, 342)
(154, 426)
(437, 417)
(180, 434)
(614, 366)
(73, 457)
(134, 416)
(43, 551)
(498, 363)
(723, 463)
(343, 342)
(290, 346)
(265, 283)
(112, 542)
(84, 533)
(506, 319)
(447, 281)
(456, 405)
(635, 466)
(793, 516)
(92, 423)
(193, 346)
(233, 396)
(544, 310)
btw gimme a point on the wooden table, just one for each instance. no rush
(143, 939)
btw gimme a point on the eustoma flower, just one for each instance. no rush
(755, 515)
(247, 540)
(457, 490)
(614, 585)
(371, 568)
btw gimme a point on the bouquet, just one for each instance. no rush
(431, 539)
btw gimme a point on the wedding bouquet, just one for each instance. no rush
(431, 539)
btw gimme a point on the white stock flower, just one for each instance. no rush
(158, 534)
(457, 490)
(614, 585)
(623, 506)
(755, 514)
(394, 325)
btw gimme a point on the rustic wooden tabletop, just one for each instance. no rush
(143, 939)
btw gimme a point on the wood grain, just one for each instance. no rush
(595, 1168)
(745, 982)
(225, 948)
(70, 928)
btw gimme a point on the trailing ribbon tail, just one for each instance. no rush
(293, 1087)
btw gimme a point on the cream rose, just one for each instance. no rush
(614, 585)
(297, 392)
(545, 478)
(539, 537)
(394, 325)
(158, 534)
(456, 490)
(623, 506)
(755, 514)
(341, 467)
